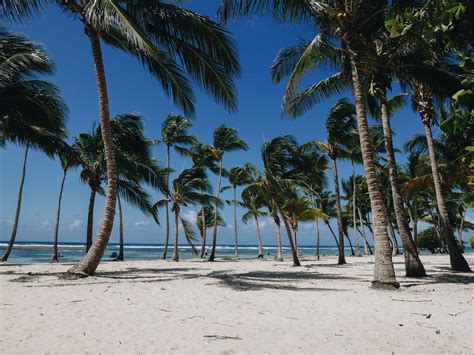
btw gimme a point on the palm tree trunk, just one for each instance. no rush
(55, 256)
(413, 264)
(333, 234)
(458, 262)
(350, 243)
(121, 255)
(91, 261)
(384, 272)
(176, 235)
(259, 239)
(214, 237)
(364, 236)
(18, 206)
(296, 261)
(317, 238)
(236, 242)
(341, 259)
(204, 229)
(167, 230)
(280, 249)
(90, 219)
(461, 226)
(354, 218)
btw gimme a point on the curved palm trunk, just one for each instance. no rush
(384, 272)
(458, 262)
(350, 243)
(9, 248)
(364, 236)
(259, 239)
(204, 229)
(413, 264)
(55, 256)
(280, 249)
(121, 255)
(176, 236)
(461, 226)
(333, 234)
(91, 261)
(354, 217)
(236, 242)
(317, 238)
(90, 219)
(167, 231)
(298, 250)
(341, 259)
(214, 237)
(294, 254)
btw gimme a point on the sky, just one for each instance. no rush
(131, 89)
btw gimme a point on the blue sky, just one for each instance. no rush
(131, 89)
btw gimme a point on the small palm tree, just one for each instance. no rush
(32, 112)
(174, 134)
(226, 139)
(69, 159)
(253, 203)
(205, 220)
(186, 190)
(237, 176)
(340, 126)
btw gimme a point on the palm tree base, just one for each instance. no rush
(211, 257)
(54, 260)
(279, 258)
(260, 256)
(385, 285)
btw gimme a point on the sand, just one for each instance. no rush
(249, 306)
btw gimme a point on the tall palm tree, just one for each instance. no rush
(237, 176)
(31, 110)
(254, 203)
(174, 133)
(340, 125)
(159, 35)
(69, 159)
(225, 139)
(186, 190)
(277, 176)
(351, 24)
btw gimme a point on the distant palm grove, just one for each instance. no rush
(423, 47)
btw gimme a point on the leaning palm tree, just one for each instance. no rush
(204, 221)
(254, 203)
(278, 175)
(226, 139)
(174, 134)
(69, 159)
(340, 125)
(351, 24)
(159, 35)
(237, 176)
(186, 190)
(31, 110)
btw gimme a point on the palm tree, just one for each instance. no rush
(226, 139)
(32, 112)
(237, 176)
(278, 175)
(159, 35)
(69, 159)
(352, 25)
(174, 134)
(205, 220)
(186, 190)
(253, 203)
(340, 125)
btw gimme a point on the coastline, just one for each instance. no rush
(228, 306)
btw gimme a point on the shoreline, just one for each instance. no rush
(248, 306)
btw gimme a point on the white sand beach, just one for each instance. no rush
(249, 306)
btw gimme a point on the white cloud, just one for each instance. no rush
(190, 215)
(141, 225)
(45, 224)
(75, 225)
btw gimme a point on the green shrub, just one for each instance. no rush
(427, 239)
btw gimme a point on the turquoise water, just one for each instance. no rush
(73, 252)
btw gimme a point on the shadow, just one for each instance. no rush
(451, 278)
(258, 280)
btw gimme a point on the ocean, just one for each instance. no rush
(40, 252)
